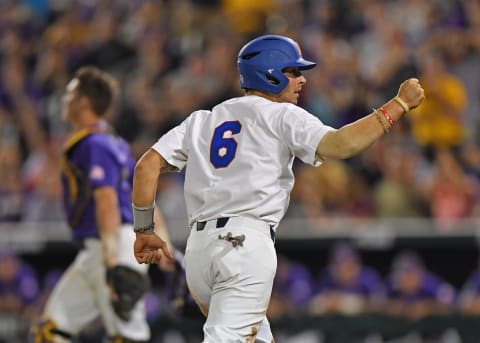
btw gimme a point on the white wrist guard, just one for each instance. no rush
(143, 218)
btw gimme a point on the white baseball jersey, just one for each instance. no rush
(239, 157)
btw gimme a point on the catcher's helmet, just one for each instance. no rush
(261, 62)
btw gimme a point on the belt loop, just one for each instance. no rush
(221, 222)
(272, 233)
(201, 225)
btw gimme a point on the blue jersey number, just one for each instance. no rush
(224, 146)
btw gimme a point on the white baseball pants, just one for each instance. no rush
(233, 282)
(82, 292)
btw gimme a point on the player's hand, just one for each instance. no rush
(411, 92)
(149, 248)
(175, 265)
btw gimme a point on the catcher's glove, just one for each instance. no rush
(128, 287)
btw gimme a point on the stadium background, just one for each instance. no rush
(417, 189)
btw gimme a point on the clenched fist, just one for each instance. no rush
(411, 92)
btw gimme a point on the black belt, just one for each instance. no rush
(222, 221)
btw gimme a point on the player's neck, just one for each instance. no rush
(269, 96)
(86, 121)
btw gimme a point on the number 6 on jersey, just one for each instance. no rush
(224, 146)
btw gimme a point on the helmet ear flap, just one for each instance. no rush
(278, 80)
(272, 79)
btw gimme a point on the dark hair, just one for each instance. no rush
(100, 88)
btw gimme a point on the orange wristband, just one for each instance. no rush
(377, 115)
(385, 114)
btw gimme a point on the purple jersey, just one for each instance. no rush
(293, 280)
(95, 158)
(367, 284)
(17, 280)
(472, 285)
(431, 288)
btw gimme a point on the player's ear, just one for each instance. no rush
(83, 102)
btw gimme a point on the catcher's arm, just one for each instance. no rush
(108, 221)
(145, 182)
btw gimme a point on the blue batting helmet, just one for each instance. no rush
(261, 63)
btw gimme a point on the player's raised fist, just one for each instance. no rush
(411, 92)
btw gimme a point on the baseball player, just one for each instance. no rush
(238, 159)
(104, 279)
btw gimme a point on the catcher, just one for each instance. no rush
(97, 170)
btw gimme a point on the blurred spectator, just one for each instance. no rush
(333, 91)
(11, 195)
(347, 286)
(49, 280)
(178, 302)
(335, 190)
(462, 61)
(248, 16)
(20, 96)
(469, 296)
(105, 48)
(306, 202)
(292, 289)
(19, 286)
(470, 159)
(414, 291)
(452, 192)
(397, 194)
(143, 77)
(415, 18)
(171, 201)
(438, 122)
(42, 185)
(153, 305)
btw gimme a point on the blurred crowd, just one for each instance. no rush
(175, 56)
(344, 286)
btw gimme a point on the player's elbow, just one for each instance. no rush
(336, 144)
(348, 150)
(148, 165)
(140, 169)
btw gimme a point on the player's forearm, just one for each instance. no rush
(108, 222)
(145, 179)
(353, 138)
(145, 182)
